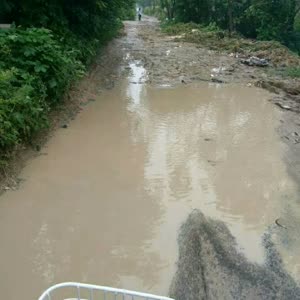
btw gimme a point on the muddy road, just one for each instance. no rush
(155, 157)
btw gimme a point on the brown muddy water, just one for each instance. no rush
(105, 204)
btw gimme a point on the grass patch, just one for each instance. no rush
(214, 38)
(292, 72)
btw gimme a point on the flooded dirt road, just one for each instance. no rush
(105, 202)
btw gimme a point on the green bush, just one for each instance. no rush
(23, 109)
(44, 54)
(35, 51)
(293, 72)
(128, 14)
(156, 11)
(35, 71)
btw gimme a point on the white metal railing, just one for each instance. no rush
(75, 291)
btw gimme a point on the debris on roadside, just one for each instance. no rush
(278, 224)
(212, 163)
(283, 106)
(88, 101)
(254, 61)
(268, 86)
(235, 55)
(218, 70)
(216, 80)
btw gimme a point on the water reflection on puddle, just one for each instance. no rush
(105, 205)
(215, 148)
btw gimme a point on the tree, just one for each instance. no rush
(230, 16)
(169, 6)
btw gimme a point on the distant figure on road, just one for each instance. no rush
(140, 14)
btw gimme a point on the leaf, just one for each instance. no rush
(52, 83)
(12, 37)
(40, 68)
(29, 51)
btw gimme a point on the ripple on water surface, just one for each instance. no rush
(105, 205)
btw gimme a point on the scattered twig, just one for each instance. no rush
(278, 224)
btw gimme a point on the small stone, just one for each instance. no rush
(216, 80)
(212, 162)
(283, 106)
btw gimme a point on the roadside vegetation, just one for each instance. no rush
(264, 29)
(48, 47)
(256, 19)
(214, 38)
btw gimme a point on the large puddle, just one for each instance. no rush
(105, 204)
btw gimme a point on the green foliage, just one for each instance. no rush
(293, 72)
(128, 13)
(272, 19)
(173, 28)
(36, 52)
(193, 11)
(297, 23)
(42, 56)
(35, 71)
(155, 11)
(23, 108)
(259, 19)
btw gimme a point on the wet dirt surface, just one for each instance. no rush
(210, 267)
(107, 200)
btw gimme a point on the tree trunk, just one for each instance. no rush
(230, 17)
(173, 8)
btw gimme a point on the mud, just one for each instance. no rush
(170, 60)
(155, 139)
(210, 267)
